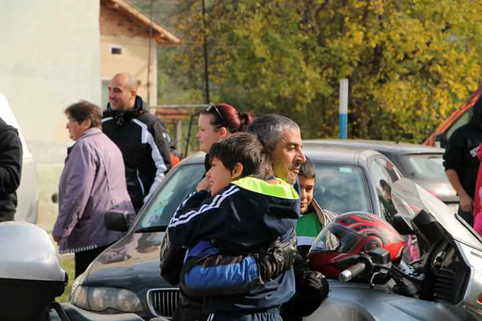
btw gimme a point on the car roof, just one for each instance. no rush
(386, 147)
(324, 153)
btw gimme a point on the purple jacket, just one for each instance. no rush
(92, 183)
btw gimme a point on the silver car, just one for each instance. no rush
(422, 164)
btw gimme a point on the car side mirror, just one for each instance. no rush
(440, 140)
(401, 225)
(116, 221)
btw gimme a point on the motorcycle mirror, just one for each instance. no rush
(401, 225)
(380, 256)
(116, 221)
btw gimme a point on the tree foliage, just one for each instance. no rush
(410, 63)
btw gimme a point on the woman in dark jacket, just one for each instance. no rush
(92, 183)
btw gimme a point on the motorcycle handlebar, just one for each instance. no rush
(351, 272)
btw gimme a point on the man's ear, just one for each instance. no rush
(237, 171)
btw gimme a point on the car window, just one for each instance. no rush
(334, 185)
(462, 120)
(341, 188)
(384, 174)
(423, 166)
(180, 184)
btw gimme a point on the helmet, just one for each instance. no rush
(338, 245)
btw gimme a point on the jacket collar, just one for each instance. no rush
(280, 190)
(90, 132)
(140, 107)
(87, 133)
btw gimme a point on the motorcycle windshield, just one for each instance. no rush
(409, 199)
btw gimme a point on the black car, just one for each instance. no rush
(126, 277)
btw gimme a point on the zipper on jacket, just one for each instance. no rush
(140, 183)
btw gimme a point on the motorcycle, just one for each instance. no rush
(444, 284)
(31, 277)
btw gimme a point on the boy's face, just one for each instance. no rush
(219, 176)
(307, 187)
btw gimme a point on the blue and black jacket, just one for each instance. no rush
(245, 217)
(144, 142)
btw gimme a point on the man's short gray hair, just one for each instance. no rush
(269, 129)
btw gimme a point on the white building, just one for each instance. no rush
(49, 59)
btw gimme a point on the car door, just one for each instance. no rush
(383, 174)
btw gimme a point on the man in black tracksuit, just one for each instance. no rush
(10, 170)
(142, 138)
(461, 162)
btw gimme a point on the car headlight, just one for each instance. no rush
(106, 299)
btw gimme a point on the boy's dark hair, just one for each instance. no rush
(307, 169)
(84, 110)
(242, 148)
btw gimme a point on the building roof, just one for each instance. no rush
(159, 33)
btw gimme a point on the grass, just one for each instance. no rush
(68, 264)
(48, 183)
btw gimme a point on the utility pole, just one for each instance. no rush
(343, 108)
(149, 57)
(206, 72)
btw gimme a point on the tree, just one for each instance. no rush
(410, 62)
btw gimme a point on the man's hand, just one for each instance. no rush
(56, 238)
(203, 185)
(466, 203)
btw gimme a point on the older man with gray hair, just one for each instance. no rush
(281, 136)
(142, 138)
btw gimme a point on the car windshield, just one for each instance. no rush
(341, 188)
(423, 166)
(334, 185)
(409, 199)
(180, 184)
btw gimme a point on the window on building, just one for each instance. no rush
(115, 50)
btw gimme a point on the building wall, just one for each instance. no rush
(134, 60)
(120, 29)
(50, 59)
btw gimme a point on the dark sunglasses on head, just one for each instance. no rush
(213, 107)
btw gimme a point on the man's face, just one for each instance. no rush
(121, 97)
(288, 156)
(218, 176)
(307, 188)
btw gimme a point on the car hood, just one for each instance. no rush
(131, 263)
(440, 188)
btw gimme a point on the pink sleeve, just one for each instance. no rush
(479, 152)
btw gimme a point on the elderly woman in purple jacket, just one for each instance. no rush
(92, 183)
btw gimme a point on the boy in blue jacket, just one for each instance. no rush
(241, 214)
